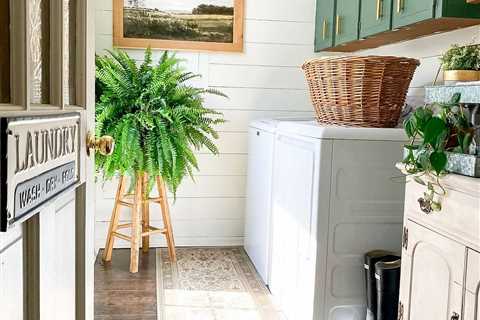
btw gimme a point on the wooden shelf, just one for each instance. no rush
(423, 28)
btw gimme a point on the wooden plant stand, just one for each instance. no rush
(140, 225)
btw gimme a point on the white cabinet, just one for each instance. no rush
(440, 263)
(435, 279)
(11, 275)
(472, 286)
(333, 199)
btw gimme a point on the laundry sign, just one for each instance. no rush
(39, 161)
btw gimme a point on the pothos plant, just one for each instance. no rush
(157, 119)
(435, 130)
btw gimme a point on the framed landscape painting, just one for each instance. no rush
(211, 25)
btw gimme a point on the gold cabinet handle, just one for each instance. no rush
(337, 27)
(324, 31)
(379, 9)
(400, 6)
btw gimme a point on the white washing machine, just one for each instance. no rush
(261, 139)
(333, 200)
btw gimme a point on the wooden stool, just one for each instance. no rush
(140, 226)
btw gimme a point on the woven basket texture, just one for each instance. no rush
(366, 91)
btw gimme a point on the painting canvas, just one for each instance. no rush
(179, 24)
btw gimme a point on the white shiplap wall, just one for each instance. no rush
(428, 51)
(264, 81)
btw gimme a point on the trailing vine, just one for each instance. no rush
(433, 131)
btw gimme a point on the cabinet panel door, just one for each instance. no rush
(376, 17)
(406, 12)
(472, 295)
(324, 24)
(435, 275)
(346, 21)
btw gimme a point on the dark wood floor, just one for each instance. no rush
(120, 295)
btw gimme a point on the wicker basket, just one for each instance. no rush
(365, 91)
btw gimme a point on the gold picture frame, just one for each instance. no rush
(121, 41)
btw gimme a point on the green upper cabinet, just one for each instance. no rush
(346, 21)
(352, 25)
(457, 9)
(324, 24)
(406, 12)
(376, 17)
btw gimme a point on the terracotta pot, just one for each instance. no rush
(461, 75)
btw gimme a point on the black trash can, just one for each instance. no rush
(370, 259)
(387, 275)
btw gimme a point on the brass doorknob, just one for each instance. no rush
(103, 145)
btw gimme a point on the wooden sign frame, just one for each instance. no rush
(120, 41)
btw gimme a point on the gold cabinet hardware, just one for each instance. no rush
(400, 5)
(337, 25)
(103, 145)
(324, 30)
(379, 9)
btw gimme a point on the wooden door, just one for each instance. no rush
(324, 24)
(432, 275)
(407, 12)
(376, 17)
(47, 67)
(346, 21)
(11, 274)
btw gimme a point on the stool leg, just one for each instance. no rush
(166, 218)
(136, 225)
(107, 254)
(145, 215)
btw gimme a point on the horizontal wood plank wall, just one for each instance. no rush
(264, 81)
(428, 51)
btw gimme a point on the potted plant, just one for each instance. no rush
(461, 63)
(157, 119)
(435, 131)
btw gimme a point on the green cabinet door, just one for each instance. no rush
(346, 21)
(376, 17)
(324, 24)
(407, 12)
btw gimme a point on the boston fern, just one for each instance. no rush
(155, 117)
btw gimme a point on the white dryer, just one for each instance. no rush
(261, 140)
(333, 199)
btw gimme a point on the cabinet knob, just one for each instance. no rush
(425, 205)
(455, 316)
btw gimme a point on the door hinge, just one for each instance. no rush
(400, 311)
(405, 238)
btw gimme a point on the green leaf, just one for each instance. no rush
(433, 129)
(421, 117)
(456, 98)
(409, 127)
(438, 161)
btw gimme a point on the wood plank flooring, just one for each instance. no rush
(121, 295)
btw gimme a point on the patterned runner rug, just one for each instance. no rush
(211, 284)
